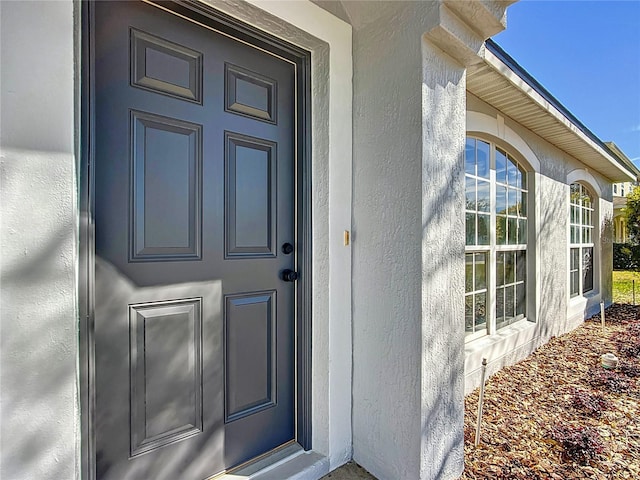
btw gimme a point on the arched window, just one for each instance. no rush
(581, 245)
(496, 238)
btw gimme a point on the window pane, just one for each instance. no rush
(512, 199)
(499, 304)
(587, 269)
(470, 156)
(483, 159)
(501, 199)
(512, 173)
(586, 235)
(575, 258)
(523, 178)
(509, 267)
(575, 283)
(521, 300)
(512, 231)
(509, 302)
(481, 271)
(484, 196)
(522, 231)
(574, 214)
(500, 268)
(574, 277)
(468, 274)
(501, 230)
(483, 229)
(501, 166)
(521, 265)
(575, 194)
(470, 191)
(523, 204)
(574, 234)
(471, 229)
(481, 310)
(468, 313)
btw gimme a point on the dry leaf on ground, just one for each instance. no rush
(559, 386)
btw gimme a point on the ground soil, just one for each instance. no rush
(349, 471)
(526, 403)
(523, 404)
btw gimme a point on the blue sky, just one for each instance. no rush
(587, 54)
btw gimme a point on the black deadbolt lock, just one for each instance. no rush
(289, 275)
(287, 248)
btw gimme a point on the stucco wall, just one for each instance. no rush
(386, 240)
(40, 419)
(553, 311)
(407, 264)
(443, 230)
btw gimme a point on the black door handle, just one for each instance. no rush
(289, 275)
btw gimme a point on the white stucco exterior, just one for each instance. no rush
(551, 311)
(391, 108)
(38, 236)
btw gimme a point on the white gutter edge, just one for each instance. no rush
(494, 62)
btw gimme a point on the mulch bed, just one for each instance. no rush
(559, 414)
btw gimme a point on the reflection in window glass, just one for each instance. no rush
(483, 229)
(501, 166)
(482, 159)
(483, 190)
(475, 292)
(496, 216)
(510, 286)
(581, 239)
(470, 156)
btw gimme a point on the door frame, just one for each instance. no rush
(208, 17)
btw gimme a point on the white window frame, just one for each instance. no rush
(492, 249)
(582, 235)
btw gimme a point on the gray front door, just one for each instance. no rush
(194, 203)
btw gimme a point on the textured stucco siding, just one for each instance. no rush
(39, 343)
(443, 239)
(408, 282)
(553, 311)
(386, 243)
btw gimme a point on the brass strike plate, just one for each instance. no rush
(346, 238)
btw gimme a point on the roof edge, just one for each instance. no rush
(515, 67)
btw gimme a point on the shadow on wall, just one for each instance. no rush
(443, 230)
(39, 347)
(551, 243)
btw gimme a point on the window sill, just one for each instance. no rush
(582, 305)
(497, 348)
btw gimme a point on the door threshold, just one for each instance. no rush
(288, 463)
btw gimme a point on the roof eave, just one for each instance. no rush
(545, 116)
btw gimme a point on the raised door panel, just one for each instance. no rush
(250, 196)
(165, 188)
(249, 93)
(165, 67)
(166, 373)
(250, 360)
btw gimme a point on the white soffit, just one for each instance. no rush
(494, 82)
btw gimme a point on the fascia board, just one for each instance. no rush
(548, 109)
